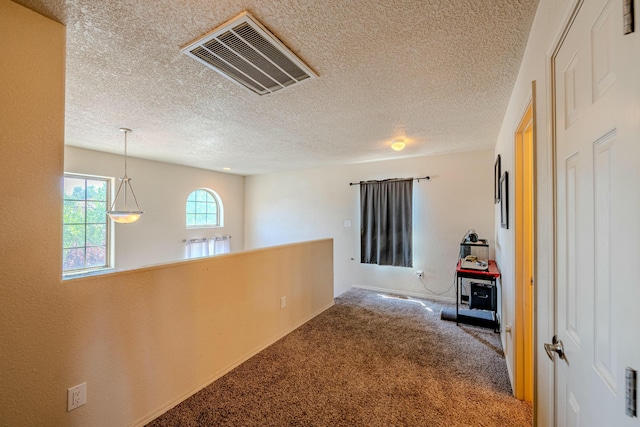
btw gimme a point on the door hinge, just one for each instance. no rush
(627, 17)
(631, 377)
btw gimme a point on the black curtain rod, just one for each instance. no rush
(417, 179)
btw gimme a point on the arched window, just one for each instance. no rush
(204, 209)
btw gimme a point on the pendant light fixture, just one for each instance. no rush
(125, 216)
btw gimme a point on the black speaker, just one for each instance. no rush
(483, 296)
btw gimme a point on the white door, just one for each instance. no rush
(597, 128)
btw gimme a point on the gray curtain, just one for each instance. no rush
(386, 222)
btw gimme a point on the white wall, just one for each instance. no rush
(549, 21)
(312, 204)
(162, 190)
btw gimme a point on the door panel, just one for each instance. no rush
(597, 140)
(604, 334)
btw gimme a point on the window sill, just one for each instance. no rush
(79, 274)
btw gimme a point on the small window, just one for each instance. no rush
(85, 229)
(204, 209)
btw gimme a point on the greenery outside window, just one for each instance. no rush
(204, 209)
(85, 229)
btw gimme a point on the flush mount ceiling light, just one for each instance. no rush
(398, 144)
(125, 216)
(245, 52)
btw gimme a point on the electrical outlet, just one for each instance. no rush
(76, 396)
(283, 302)
(420, 274)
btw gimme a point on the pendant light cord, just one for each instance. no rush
(125, 152)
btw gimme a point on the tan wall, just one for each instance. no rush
(146, 339)
(142, 339)
(32, 336)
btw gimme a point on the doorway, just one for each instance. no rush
(524, 180)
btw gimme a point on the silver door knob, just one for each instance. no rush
(555, 347)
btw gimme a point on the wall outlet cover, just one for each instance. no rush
(76, 396)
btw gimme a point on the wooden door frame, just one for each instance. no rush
(524, 259)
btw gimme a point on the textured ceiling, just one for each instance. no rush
(437, 72)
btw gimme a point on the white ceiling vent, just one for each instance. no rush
(244, 51)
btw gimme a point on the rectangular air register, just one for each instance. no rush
(244, 51)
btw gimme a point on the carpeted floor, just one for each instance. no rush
(371, 360)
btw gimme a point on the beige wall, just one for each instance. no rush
(151, 337)
(142, 340)
(162, 190)
(315, 203)
(545, 32)
(31, 133)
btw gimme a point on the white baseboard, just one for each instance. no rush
(409, 294)
(155, 414)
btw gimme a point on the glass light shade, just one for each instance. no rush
(125, 217)
(398, 145)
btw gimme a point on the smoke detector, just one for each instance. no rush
(245, 52)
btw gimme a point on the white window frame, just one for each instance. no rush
(219, 209)
(109, 237)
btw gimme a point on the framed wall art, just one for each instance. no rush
(504, 200)
(496, 180)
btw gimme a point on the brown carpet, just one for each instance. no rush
(371, 360)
